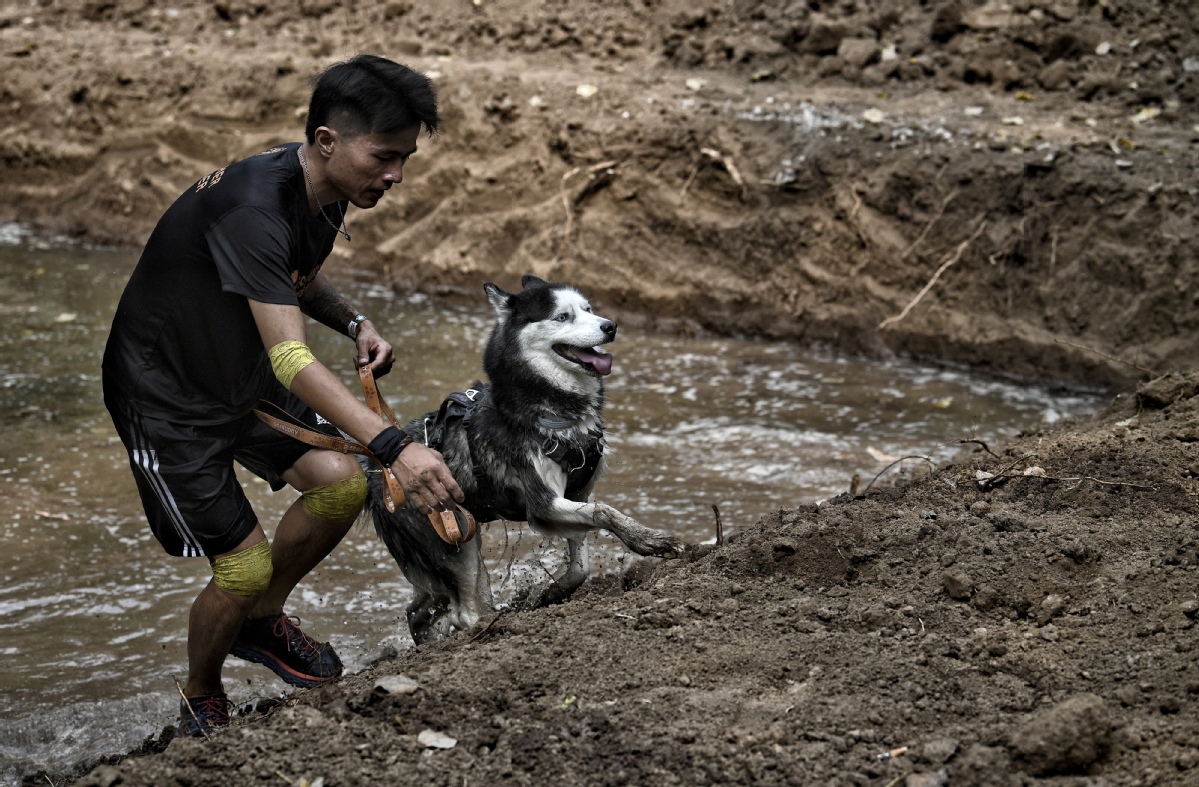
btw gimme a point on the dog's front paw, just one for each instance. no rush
(641, 539)
(662, 545)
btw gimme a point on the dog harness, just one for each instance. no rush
(579, 462)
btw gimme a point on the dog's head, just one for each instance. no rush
(551, 328)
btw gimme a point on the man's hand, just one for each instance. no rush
(425, 479)
(373, 349)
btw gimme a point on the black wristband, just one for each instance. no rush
(387, 445)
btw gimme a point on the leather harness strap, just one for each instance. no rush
(455, 526)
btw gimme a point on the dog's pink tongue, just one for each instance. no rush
(601, 362)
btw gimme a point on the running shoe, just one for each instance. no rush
(277, 643)
(202, 716)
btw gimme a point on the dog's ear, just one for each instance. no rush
(529, 280)
(499, 299)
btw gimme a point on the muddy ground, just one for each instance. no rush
(1010, 185)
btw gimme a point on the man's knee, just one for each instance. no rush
(339, 501)
(245, 573)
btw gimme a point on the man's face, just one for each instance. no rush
(363, 166)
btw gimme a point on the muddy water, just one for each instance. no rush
(93, 615)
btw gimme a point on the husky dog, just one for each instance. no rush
(527, 447)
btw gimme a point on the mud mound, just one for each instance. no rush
(1036, 625)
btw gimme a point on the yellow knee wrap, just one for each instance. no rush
(338, 501)
(246, 573)
(289, 359)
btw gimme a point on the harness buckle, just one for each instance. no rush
(471, 393)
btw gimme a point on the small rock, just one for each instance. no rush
(858, 52)
(433, 739)
(784, 546)
(1166, 390)
(958, 584)
(939, 750)
(1051, 607)
(1006, 522)
(928, 779)
(1187, 760)
(1065, 739)
(1128, 695)
(396, 684)
(946, 22)
(824, 35)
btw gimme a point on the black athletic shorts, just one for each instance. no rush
(189, 489)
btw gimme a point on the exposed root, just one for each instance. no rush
(957, 255)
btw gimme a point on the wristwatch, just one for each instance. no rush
(352, 328)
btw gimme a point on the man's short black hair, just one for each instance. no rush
(371, 94)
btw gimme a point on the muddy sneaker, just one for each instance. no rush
(278, 644)
(204, 715)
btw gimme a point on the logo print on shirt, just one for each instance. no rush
(210, 179)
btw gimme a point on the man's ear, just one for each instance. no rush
(326, 140)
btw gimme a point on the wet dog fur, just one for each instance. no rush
(545, 388)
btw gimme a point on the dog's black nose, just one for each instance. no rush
(609, 329)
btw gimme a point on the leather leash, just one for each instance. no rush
(455, 526)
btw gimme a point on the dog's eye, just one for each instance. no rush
(563, 317)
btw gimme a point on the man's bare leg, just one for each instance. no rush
(302, 540)
(216, 617)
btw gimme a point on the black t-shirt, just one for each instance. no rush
(184, 346)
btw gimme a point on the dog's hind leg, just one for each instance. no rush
(577, 570)
(636, 536)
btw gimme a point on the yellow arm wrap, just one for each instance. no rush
(338, 501)
(289, 359)
(246, 573)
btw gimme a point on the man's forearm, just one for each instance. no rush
(325, 305)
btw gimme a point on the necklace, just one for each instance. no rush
(342, 229)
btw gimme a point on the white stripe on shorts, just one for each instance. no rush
(147, 460)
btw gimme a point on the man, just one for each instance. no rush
(212, 322)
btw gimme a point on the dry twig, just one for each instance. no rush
(957, 255)
(191, 710)
(897, 461)
(719, 526)
(976, 442)
(1109, 357)
(1069, 479)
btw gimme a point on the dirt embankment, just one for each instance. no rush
(1021, 175)
(793, 170)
